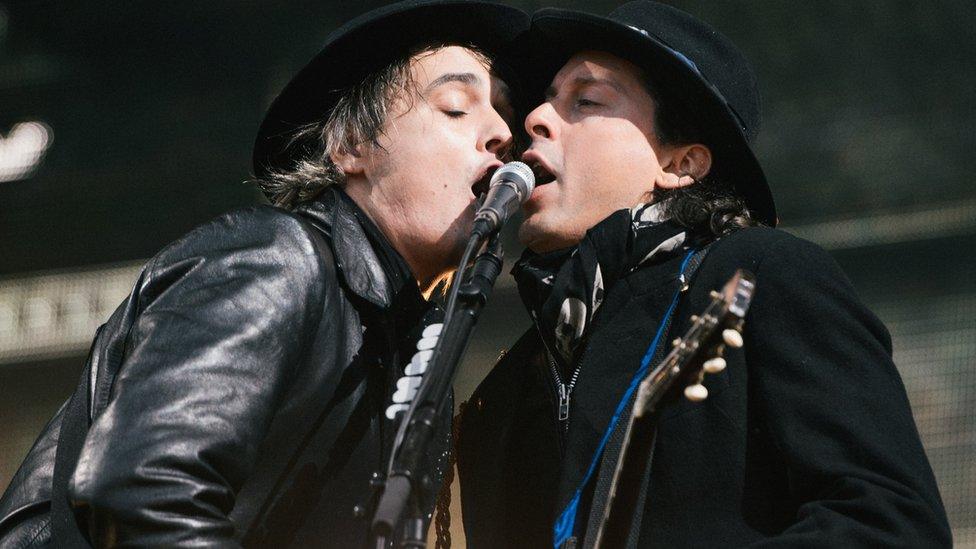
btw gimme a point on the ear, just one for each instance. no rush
(351, 162)
(686, 164)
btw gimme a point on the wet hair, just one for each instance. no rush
(710, 205)
(356, 119)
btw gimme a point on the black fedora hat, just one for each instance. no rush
(696, 66)
(365, 45)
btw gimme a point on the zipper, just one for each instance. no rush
(564, 391)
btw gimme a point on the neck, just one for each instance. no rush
(424, 268)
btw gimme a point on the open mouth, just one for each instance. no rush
(542, 174)
(484, 182)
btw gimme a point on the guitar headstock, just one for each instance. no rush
(700, 351)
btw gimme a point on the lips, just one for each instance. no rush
(481, 185)
(543, 174)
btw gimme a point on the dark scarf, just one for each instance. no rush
(563, 289)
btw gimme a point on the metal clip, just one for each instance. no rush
(563, 402)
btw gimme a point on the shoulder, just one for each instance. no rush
(796, 280)
(770, 251)
(789, 271)
(759, 243)
(260, 243)
(270, 228)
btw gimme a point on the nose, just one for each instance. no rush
(499, 137)
(539, 123)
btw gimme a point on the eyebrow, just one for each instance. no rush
(462, 77)
(581, 81)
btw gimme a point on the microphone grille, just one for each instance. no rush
(519, 173)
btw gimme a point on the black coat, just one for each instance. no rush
(236, 397)
(806, 438)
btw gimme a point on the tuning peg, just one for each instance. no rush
(714, 365)
(714, 295)
(732, 338)
(696, 393)
(694, 318)
(676, 342)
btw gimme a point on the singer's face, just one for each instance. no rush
(437, 151)
(593, 149)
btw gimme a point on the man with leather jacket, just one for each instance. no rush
(239, 395)
(648, 196)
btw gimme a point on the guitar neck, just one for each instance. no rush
(719, 325)
(628, 482)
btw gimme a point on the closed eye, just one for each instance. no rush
(455, 114)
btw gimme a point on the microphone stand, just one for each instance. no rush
(406, 479)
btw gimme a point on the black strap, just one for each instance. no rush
(74, 428)
(608, 463)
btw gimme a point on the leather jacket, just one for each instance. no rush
(237, 396)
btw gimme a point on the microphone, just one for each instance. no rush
(510, 186)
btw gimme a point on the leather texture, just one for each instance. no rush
(806, 438)
(237, 396)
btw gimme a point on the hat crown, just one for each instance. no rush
(706, 50)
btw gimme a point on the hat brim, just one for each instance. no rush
(558, 34)
(363, 46)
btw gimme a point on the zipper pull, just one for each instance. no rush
(563, 402)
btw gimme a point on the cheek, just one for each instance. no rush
(620, 153)
(445, 156)
(609, 169)
(601, 140)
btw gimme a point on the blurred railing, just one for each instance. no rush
(54, 314)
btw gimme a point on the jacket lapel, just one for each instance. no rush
(359, 266)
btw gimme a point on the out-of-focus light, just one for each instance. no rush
(8, 318)
(39, 312)
(55, 314)
(22, 149)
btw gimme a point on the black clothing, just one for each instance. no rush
(237, 396)
(806, 438)
(564, 289)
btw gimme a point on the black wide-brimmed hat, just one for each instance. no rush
(367, 44)
(688, 61)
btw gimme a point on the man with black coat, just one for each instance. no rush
(648, 197)
(247, 390)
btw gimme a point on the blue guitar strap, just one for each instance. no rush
(609, 449)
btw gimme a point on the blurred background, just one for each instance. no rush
(125, 124)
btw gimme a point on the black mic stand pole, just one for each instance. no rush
(406, 479)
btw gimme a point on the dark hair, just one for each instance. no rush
(357, 118)
(710, 205)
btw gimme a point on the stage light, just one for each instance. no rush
(23, 148)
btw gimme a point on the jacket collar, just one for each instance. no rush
(368, 264)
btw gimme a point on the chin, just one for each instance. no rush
(526, 234)
(541, 239)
